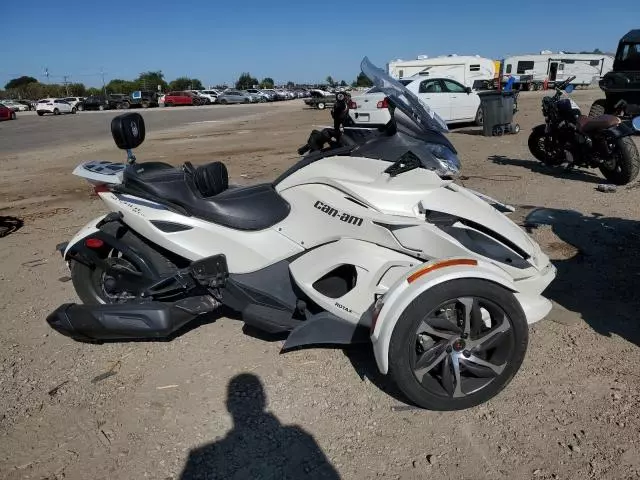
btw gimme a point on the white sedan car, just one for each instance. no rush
(15, 106)
(448, 98)
(55, 106)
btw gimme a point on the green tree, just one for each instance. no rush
(246, 81)
(118, 85)
(185, 83)
(77, 89)
(93, 91)
(267, 82)
(329, 80)
(151, 80)
(363, 81)
(20, 82)
(597, 51)
(343, 83)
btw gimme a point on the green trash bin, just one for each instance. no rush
(497, 113)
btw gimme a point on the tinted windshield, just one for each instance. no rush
(403, 99)
(628, 57)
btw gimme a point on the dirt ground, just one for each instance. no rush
(192, 407)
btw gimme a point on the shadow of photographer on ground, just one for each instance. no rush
(258, 446)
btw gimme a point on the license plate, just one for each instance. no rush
(363, 117)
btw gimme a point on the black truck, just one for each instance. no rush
(141, 98)
(621, 85)
(100, 102)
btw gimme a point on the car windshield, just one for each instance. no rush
(628, 57)
(406, 101)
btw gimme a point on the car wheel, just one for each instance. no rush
(40, 114)
(13, 116)
(479, 116)
(246, 100)
(74, 110)
(458, 344)
(223, 101)
(321, 106)
(56, 111)
(101, 108)
(145, 104)
(80, 108)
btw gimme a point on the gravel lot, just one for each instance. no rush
(217, 400)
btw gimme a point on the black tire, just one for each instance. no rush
(145, 104)
(246, 100)
(87, 282)
(56, 111)
(479, 116)
(321, 106)
(40, 114)
(509, 345)
(599, 107)
(624, 167)
(223, 101)
(74, 110)
(168, 104)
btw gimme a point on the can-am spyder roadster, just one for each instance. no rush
(369, 239)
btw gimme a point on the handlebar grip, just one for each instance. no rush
(304, 149)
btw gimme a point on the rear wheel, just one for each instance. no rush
(39, 114)
(479, 116)
(321, 106)
(458, 344)
(56, 111)
(74, 110)
(599, 107)
(223, 101)
(623, 166)
(97, 286)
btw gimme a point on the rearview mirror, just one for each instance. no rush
(128, 130)
(569, 88)
(468, 90)
(636, 123)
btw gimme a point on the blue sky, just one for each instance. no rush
(300, 41)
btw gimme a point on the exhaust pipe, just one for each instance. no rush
(127, 321)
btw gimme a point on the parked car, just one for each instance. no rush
(270, 93)
(15, 106)
(75, 102)
(31, 105)
(140, 98)
(451, 100)
(233, 96)
(211, 95)
(100, 102)
(262, 97)
(6, 113)
(55, 106)
(173, 99)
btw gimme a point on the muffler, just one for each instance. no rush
(127, 321)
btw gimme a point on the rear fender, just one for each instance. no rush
(624, 129)
(400, 295)
(76, 249)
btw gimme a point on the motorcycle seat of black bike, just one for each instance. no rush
(593, 124)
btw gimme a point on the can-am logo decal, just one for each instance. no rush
(335, 213)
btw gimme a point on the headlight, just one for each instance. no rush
(448, 160)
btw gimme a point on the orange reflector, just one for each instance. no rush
(442, 264)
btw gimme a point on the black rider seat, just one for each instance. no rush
(203, 192)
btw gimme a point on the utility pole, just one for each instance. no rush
(66, 84)
(46, 73)
(104, 88)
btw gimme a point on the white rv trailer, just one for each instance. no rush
(531, 71)
(470, 70)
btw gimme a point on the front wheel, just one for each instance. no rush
(458, 344)
(537, 146)
(321, 106)
(623, 166)
(56, 111)
(98, 286)
(74, 110)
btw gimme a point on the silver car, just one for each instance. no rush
(233, 96)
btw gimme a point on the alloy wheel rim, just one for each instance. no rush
(461, 347)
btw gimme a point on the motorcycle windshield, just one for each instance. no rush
(406, 101)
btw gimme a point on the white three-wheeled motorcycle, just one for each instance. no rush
(368, 239)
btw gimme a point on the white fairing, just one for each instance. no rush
(347, 211)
